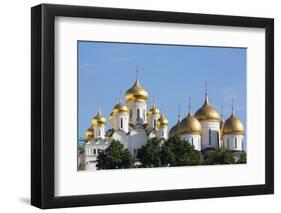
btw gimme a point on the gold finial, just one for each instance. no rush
(99, 108)
(222, 112)
(162, 109)
(153, 99)
(189, 105)
(99, 111)
(232, 105)
(137, 72)
(206, 88)
(179, 113)
(206, 92)
(120, 97)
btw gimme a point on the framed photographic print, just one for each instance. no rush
(139, 106)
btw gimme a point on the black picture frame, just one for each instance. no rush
(43, 105)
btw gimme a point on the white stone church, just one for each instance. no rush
(132, 124)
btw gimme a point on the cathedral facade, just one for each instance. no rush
(132, 124)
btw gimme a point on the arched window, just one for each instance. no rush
(162, 133)
(99, 133)
(131, 114)
(210, 137)
(235, 142)
(121, 123)
(227, 143)
(95, 152)
(154, 123)
(218, 139)
(192, 141)
(138, 114)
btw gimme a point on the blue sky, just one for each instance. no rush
(170, 73)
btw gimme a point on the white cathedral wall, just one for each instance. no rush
(114, 126)
(230, 144)
(80, 159)
(193, 139)
(137, 139)
(214, 126)
(90, 166)
(133, 108)
(162, 132)
(89, 155)
(121, 136)
(151, 119)
(91, 151)
(99, 131)
(88, 147)
(117, 121)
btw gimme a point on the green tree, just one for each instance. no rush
(177, 152)
(243, 158)
(220, 156)
(115, 157)
(168, 157)
(149, 154)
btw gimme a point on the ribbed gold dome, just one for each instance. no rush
(120, 107)
(99, 120)
(136, 93)
(207, 112)
(189, 125)
(154, 110)
(173, 131)
(89, 133)
(162, 121)
(233, 126)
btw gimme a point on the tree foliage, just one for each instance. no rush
(173, 152)
(243, 158)
(115, 157)
(220, 156)
(149, 154)
(177, 152)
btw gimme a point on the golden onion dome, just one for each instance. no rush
(99, 120)
(207, 112)
(136, 93)
(233, 126)
(154, 110)
(89, 133)
(189, 125)
(120, 107)
(173, 131)
(162, 121)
